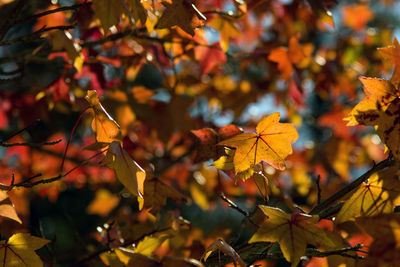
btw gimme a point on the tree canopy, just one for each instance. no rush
(199, 133)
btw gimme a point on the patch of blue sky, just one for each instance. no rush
(265, 105)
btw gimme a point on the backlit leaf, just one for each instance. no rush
(103, 203)
(7, 208)
(379, 194)
(380, 108)
(128, 172)
(292, 231)
(149, 244)
(271, 143)
(19, 250)
(104, 126)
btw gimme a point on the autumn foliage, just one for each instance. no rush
(199, 133)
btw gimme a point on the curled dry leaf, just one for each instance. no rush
(128, 172)
(7, 208)
(105, 127)
(221, 245)
(19, 250)
(271, 143)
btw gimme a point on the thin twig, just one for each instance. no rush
(353, 185)
(236, 207)
(47, 143)
(33, 36)
(48, 12)
(317, 181)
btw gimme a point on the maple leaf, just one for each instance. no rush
(108, 11)
(156, 193)
(292, 231)
(19, 250)
(104, 126)
(380, 108)
(181, 13)
(129, 173)
(271, 143)
(7, 208)
(379, 194)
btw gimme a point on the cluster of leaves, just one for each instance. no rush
(149, 133)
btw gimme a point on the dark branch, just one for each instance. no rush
(236, 207)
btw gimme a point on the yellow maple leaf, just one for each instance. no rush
(19, 250)
(103, 203)
(292, 231)
(378, 195)
(271, 143)
(380, 108)
(181, 13)
(128, 172)
(105, 127)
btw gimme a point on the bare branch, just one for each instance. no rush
(236, 207)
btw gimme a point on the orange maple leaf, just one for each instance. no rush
(380, 108)
(105, 127)
(271, 143)
(292, 231)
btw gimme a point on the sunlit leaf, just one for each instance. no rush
(104, 126)
(129, 173)
(149, 244)
(271, 143)
(19, 250)
(379, 194)
(103, 203)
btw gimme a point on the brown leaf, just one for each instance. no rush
(181, 13)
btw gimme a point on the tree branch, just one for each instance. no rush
(236, 207)
(353, 185)
(47, 143)
(48, 12)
